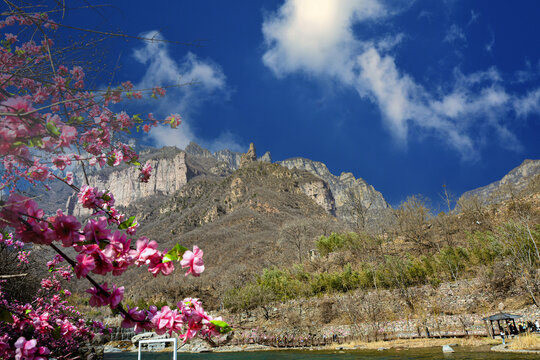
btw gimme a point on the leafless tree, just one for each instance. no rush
(366, 308)
(357, 208)
(297, 233)
(413, 221)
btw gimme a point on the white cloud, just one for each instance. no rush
(192, 82)
(528, 104)
(316, 37)
(474, 18)
(455, 35)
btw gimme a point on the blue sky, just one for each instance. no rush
(408, 97)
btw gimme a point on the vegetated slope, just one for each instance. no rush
(237, 221)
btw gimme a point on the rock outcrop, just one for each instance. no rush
(170, 172)
(516, 181)
(266, 157)
(249, 157)
(343, 187)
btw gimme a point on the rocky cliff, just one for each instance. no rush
(231, 158)
(171, 170)
(516, 181)
(343, 187)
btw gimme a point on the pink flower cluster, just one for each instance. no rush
(188, 320)
(144, 176)
(46, 327)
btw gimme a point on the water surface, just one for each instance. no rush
(462, 353)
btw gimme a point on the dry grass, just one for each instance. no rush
(525, 342)
(418, 343)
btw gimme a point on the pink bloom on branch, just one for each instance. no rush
(193, 261)
(39, 172)
(90, 197)
(25, 348)
(68, 135)
(144, 176)
(66, 228)
(173, 120)
(116, 296)
(69, 178)
(61, 162)
(85, 264)
(158, 266)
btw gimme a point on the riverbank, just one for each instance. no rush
(483, 342)
(198, 346)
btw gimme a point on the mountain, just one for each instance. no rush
(238, 219)
(349, 193)
(516, 181)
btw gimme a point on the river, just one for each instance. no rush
(462, 353)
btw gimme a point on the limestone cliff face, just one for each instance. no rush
(321, 194)
(340, 186)
(514, 182)
(170, 172)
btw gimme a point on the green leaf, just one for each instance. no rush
(51, 126)
(137, 118)
(153, 96)
(136, 163)
(129, 222)
(5, 316)
(27, 311)
(57, 333)
(222, 326)
(30, 143)
(175, 253)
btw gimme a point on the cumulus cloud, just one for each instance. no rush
(317, 38)
(192, 82)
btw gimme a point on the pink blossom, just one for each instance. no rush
(193, 261)
(66, 228)
(134, 319)
(145, 250)
(85, 264)
(25, 348)
(116, 296)
(96, 230)
(165, 268)
(66, 328)
(174, 120)
(90, 197)
(144, 176)
(69, 178)
(39, 172)
(61, 162)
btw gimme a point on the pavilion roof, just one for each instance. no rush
(501, 316)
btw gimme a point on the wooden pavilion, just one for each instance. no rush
(504, 322)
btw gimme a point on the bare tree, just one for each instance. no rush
(297, 233)
(413, 220)
(522, 243)
(366, 308)
(357, 208)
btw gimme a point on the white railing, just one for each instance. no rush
(174, 340)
